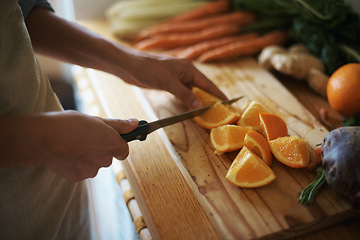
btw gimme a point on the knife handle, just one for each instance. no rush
(139, 133)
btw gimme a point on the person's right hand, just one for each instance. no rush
(69, 143)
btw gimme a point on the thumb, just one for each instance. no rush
(122, 126)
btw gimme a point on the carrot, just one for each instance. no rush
(173, 52)
(182, 39)
(210, 8)
(238, 18)
(244, 48)
(194, 51)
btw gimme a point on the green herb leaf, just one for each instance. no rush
(307, 196)
(352, 121)
(329, 28)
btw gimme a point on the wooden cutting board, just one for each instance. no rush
(269, 212)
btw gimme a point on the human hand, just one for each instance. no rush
(174, 75)
(71, 144)
(84, 144)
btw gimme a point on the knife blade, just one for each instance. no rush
(144, 128)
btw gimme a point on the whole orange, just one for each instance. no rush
(343, 90)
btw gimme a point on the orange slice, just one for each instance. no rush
(258, 145)
(250, 116)
(292, 151)
(249, 171)
(205, 97)
(216, 116)
(228, 138)
(272, 126)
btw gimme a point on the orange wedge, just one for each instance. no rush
(250, 116)
(272, 126)
(258, 145)
(228, 138)
(292, 151)
(249, 171)
(216, 116)
(205, 97)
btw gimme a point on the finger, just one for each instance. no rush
(185, 95)
(102, 160)
(189, 79)
(201, 81)
(123, 152)
(86, 168)
(122, 126)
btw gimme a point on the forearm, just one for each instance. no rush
(67, 41)
(58, 38)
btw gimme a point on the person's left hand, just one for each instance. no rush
(174, 75)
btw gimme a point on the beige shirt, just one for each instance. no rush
(34, 203)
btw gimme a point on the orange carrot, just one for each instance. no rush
(244, 48)
(238, 18)
(194, 51)
(182, 39)
(210, 8)
(173, 52)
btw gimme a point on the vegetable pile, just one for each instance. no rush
(189, 28)
(340, 155)
(211, 32)
(329, 28)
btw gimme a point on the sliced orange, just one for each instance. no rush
(250, 116)
(205, 97)
(258, 145)
(228, 138)
(216, 116)
(272, 126)
(249, 171)
(292, 151)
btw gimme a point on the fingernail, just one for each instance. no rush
(132, 120)
(196, 103)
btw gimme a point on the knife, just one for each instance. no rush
(144, 128)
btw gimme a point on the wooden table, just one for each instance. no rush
(169, 206)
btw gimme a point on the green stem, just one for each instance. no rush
(313, 11)
(266, 25)
(307, 196)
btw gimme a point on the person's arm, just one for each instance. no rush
(68, 143)
(67, 41)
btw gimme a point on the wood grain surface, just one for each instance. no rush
(180, 183)
(267, 212)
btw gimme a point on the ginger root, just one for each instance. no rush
(296, 62)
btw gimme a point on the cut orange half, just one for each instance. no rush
(205, 97)
(272, 126)
(249, 171)
(216, 116)
(258, 145)
(228, 138)
(292, 151)
(250, 116)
